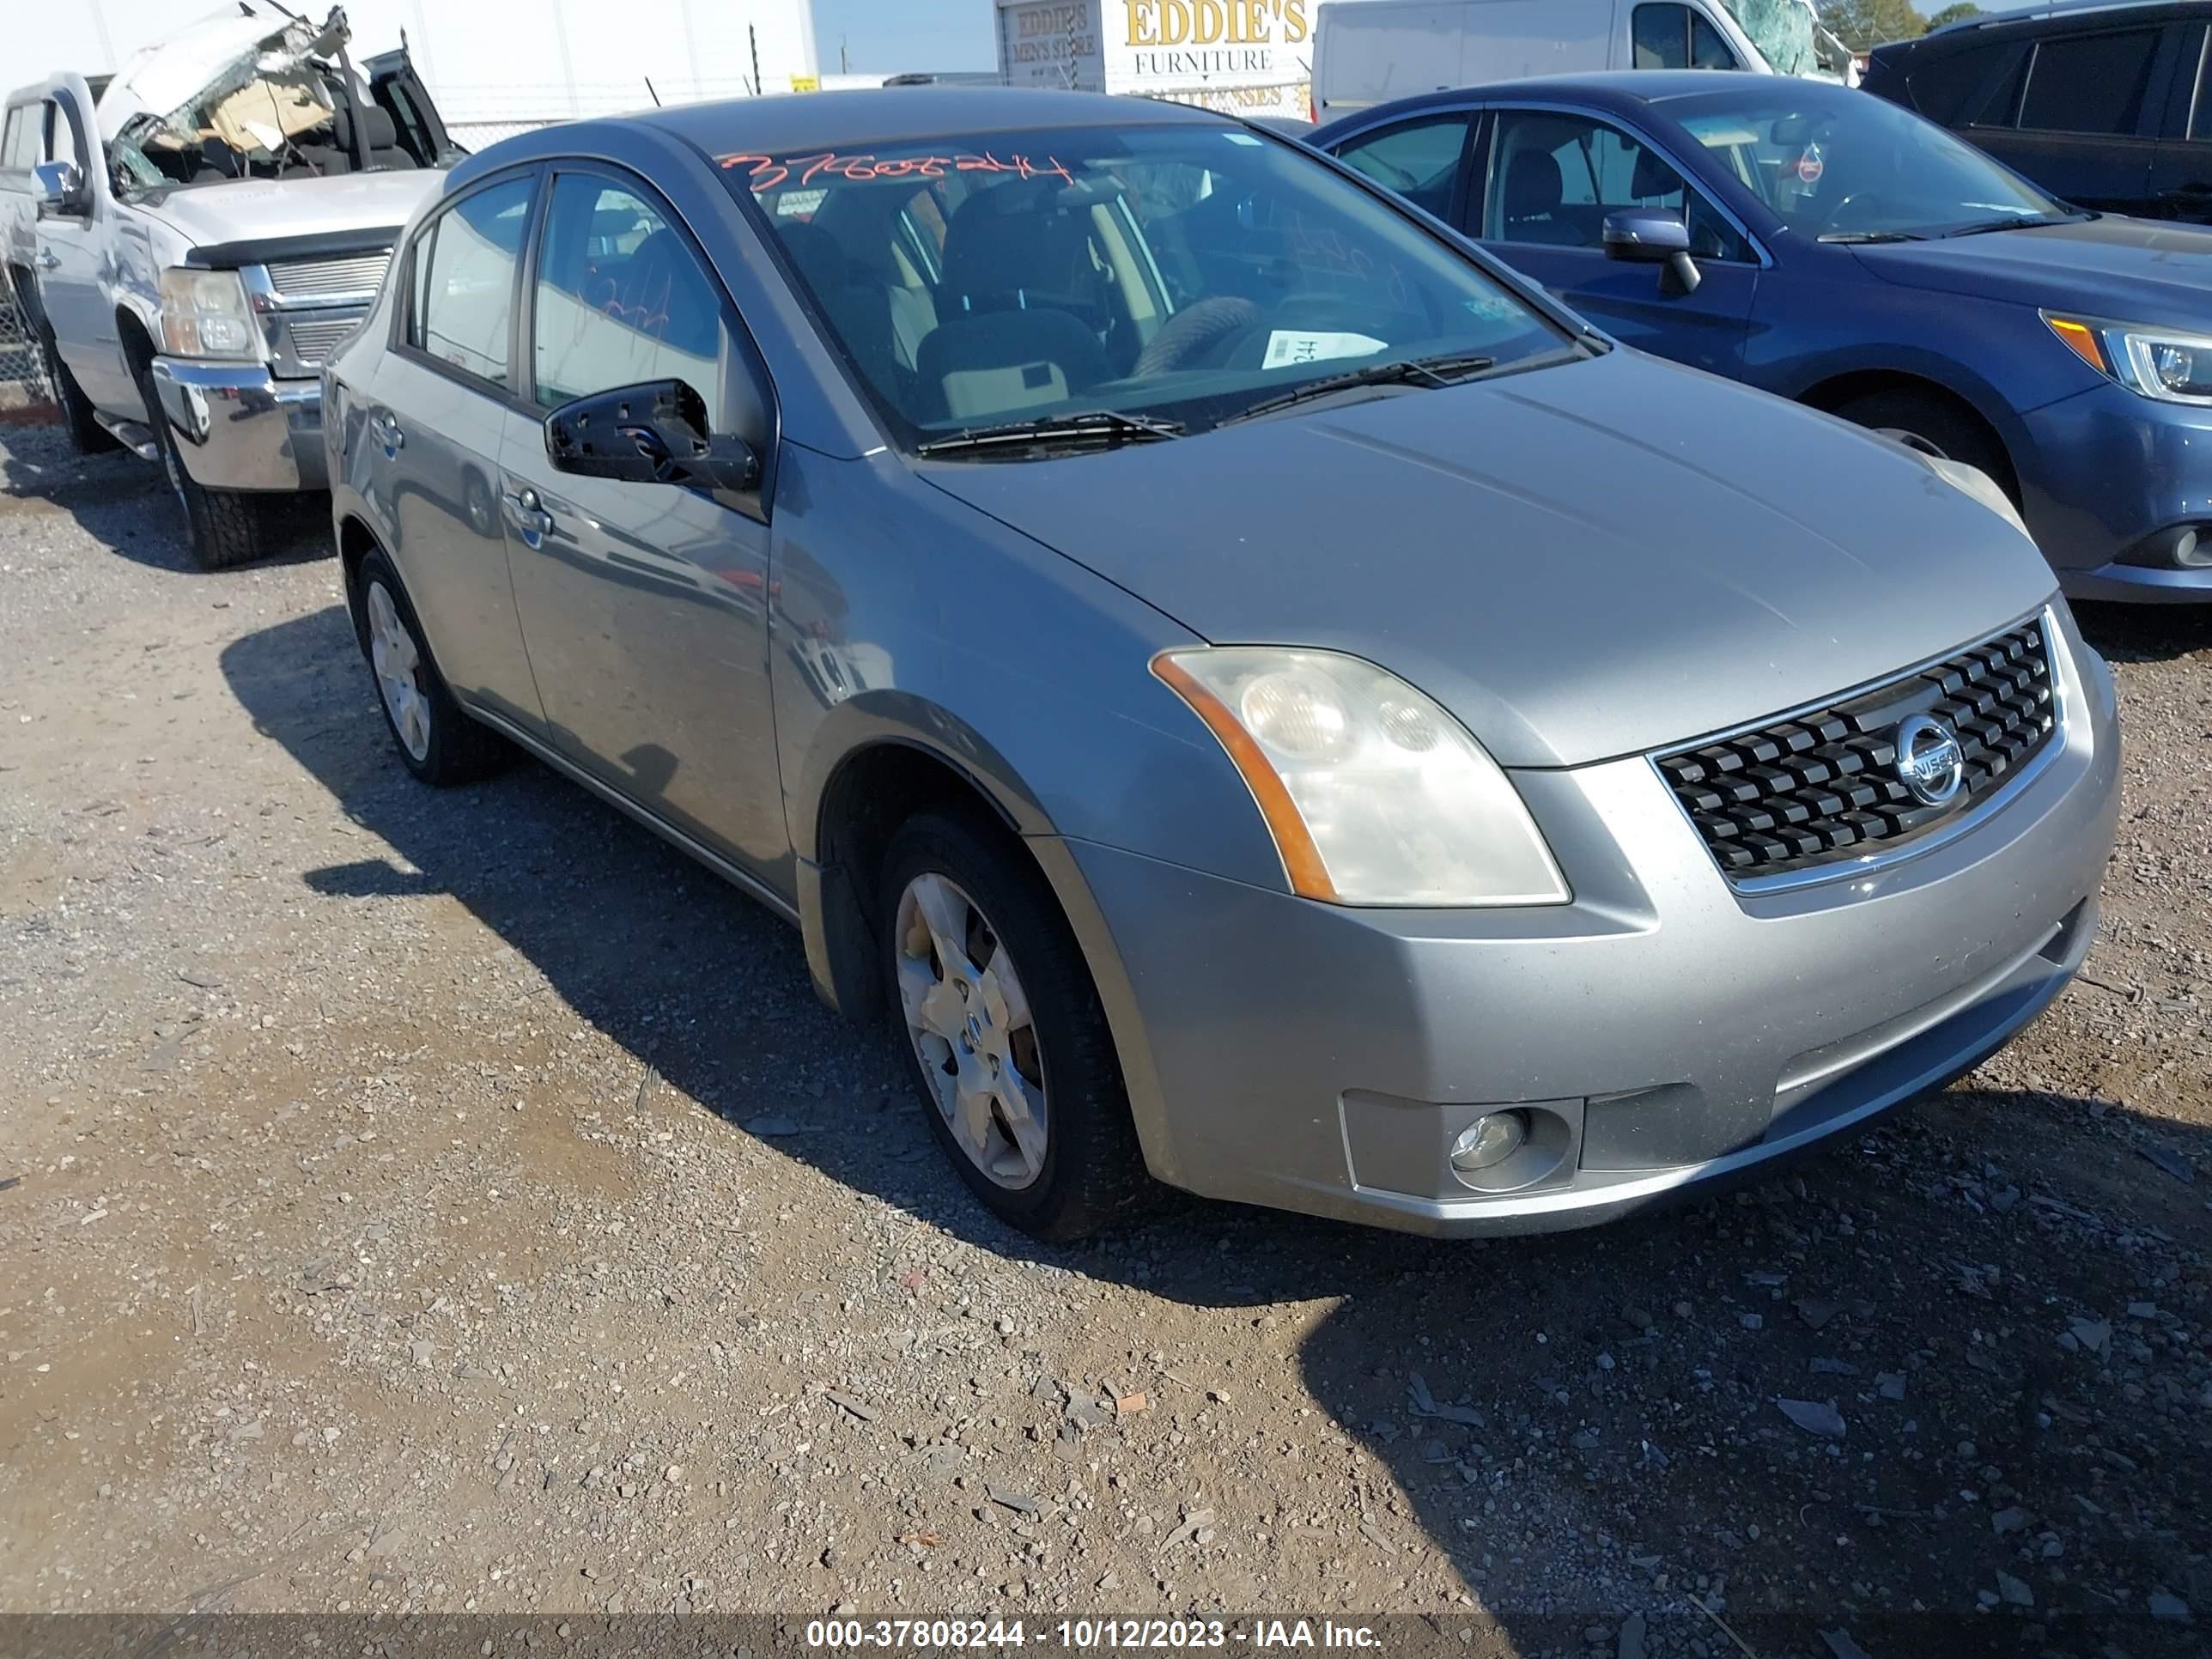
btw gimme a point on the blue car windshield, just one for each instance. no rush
(1848, 167)
(1178, 273)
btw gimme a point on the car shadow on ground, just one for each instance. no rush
(1988, 1319)
(2145, 632)
(124, 503)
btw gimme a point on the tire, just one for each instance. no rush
(439, 741)
(223, 528)
(85, 430)
(1084, 1170)
(1930, 423)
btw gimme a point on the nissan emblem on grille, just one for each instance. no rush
(1874, 767)
(1929, 761)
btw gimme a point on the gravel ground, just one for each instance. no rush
(443, 1202)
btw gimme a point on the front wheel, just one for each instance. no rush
(222, 528)
(1934, 427)
(1010, 1048)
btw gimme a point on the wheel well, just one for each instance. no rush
(1833, 395)
(871, 794)
(137, 343)
(355, 541)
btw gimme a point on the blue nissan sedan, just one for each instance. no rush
(1841, 252)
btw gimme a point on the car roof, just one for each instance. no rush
(798, 122)
(2058, 14)
(1613, 88)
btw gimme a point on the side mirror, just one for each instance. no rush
(653, 433)
(1653, 236)
(58, 186)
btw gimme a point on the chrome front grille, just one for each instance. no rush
(319, 279)
(312, 339)
(1825, 784)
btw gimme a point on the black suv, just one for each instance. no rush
(2108, 106)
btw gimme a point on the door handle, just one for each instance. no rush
(48, 259)
(529, 515)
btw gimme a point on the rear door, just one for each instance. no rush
(2181, 168)
(434, 416)
(2080, 113)
(646, 605)
(1553, 176)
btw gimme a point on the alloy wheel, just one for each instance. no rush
(399, 666)
(970, 1021)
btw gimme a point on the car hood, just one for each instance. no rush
(2129, 269)
(254, 208)
(1582, 562)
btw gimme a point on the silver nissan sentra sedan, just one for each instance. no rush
(1266, 700)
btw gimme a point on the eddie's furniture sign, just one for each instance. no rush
(1247, 55)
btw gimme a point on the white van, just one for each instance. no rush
(1368, 52)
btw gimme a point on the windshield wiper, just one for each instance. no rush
(1847, 237)
(2015, 222)
(1091, 426)
(1444, 370)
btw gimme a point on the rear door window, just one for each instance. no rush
(1978, 86)
(2090, 83)
(464, 303)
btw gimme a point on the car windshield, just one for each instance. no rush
(1177, 275)
(1846, 167)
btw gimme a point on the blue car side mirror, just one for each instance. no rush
(1653, 236)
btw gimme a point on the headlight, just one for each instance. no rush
(1374, 794)
(1972, 480)
(205, 314)
(2169, 364)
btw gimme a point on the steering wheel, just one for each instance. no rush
(1835, 214)
(1193, 332)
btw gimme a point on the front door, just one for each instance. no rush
(69, 267)
(644, 605)
(1553, 179)
(2086, 121)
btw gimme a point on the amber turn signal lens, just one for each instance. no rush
(2082, 340)
(1302, 859)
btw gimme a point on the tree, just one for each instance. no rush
(1861, 24)
(1958, 14)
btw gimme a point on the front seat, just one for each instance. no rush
(1534, 193)
(1018, 286)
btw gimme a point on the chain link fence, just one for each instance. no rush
(23, 369)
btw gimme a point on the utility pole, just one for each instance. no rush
(844, 58)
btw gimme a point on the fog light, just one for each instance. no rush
(2186, 547)
(1489, 1141)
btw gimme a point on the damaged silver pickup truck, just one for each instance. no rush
(192, 244)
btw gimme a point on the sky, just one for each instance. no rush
(892, 36)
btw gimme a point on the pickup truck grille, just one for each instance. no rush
(310, 279)
(1825, 785)
(313, 339)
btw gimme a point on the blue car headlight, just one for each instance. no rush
(2170, 364)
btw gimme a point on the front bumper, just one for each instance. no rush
(2110, 470)
(238, 427)
(1665, 1031)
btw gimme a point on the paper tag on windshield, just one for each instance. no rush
(1289, 346)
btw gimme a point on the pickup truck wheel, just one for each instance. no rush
(222, 528)
(84, 427)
